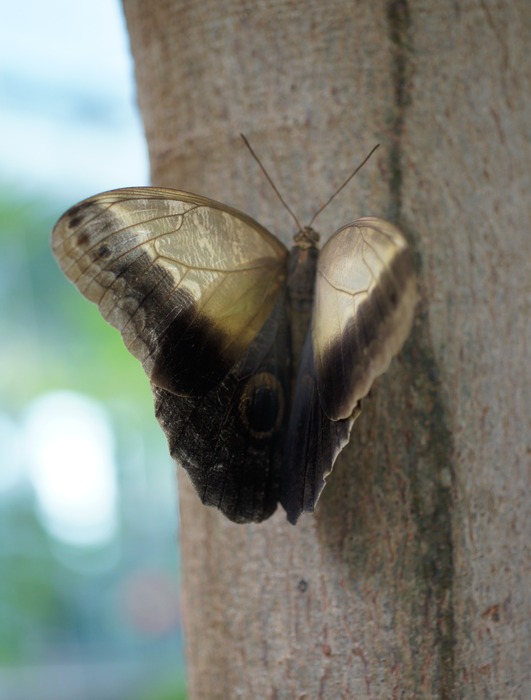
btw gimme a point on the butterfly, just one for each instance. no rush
(258, 357)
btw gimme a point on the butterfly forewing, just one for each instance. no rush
(365, 296)
(187, 281)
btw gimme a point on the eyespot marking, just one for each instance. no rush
(262, 405)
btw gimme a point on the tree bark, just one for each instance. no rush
(411, 580)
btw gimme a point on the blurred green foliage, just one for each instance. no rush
(51, 336)
(60, 605)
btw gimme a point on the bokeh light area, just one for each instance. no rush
(89, 573)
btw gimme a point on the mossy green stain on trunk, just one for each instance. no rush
(432, 505)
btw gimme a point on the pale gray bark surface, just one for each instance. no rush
(411, 580)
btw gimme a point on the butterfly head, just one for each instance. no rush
(307, 237)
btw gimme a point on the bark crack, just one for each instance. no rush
(431, 486)
(402, 68)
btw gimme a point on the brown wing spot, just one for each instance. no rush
(103, 251)
(83, 239)
(77, 214)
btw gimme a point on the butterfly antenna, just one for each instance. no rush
(349, 178)
(257, 159)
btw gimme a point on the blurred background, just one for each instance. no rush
(89, 573)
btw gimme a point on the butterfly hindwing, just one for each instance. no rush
(312, 444)
(230, 441)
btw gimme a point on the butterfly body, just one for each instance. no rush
(301, 270)
(258, 357)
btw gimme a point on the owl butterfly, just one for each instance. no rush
(258, 356)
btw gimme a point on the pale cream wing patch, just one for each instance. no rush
(365, 297)
(187, 281)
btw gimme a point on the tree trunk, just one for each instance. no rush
(409, 580)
